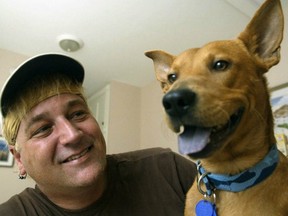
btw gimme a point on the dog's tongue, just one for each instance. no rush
(193, 139)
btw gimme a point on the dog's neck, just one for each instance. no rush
(248, 146)
(241, 181)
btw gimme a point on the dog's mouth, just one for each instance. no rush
(199, 142)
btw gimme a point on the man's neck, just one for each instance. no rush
(77, 198)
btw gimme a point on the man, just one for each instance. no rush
(56, 140)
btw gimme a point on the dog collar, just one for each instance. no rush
(241, 181)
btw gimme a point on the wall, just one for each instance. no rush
(8, 62)
(154, 131)
(124, 118)
(9, 182)
(136, 118)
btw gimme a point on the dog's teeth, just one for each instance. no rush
(217, 128)
(181, 130)
(220, 127)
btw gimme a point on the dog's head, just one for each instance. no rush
(213, 91)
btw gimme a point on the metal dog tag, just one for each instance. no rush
(205, 208)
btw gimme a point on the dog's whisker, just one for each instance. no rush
(260, 117)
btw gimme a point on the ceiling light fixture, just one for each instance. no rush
(70, 43)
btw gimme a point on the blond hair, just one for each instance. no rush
(35, 91)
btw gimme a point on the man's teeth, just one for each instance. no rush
(77, 156)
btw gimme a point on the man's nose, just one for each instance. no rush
(69, 133)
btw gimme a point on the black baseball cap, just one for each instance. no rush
(45, 64)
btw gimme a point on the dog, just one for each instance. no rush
(216, 98)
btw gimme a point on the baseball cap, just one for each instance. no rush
(45, 64)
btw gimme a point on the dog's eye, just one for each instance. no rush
(220, 65)
(172, 78)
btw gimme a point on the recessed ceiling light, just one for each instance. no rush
(70, 43)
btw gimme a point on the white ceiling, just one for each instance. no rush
(116, 33)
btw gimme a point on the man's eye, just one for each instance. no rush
(42, 131)
(79, 115)
(220, 65)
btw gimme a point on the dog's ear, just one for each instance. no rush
(264, 33)
(162, 64)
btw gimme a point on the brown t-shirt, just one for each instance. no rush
(151, 182)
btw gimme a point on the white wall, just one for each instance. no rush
(124, 118)
(8, 62)
(154, 131)
(9, 182)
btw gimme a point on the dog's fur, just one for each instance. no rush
(225, 76)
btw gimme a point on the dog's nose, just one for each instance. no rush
(178, 102)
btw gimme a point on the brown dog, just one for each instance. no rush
(218, 95)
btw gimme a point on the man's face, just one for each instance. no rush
(61, 145)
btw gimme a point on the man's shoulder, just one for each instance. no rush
(30, 202)
(159, 156)
(141, 154)
(155, 164)
(15, 204)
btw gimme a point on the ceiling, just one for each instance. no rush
(116, 33)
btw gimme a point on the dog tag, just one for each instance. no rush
(205, 208)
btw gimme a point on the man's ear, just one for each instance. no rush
(18, 160)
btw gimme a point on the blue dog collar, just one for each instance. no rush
(243, 180)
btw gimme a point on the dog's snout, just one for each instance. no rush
(178, 102)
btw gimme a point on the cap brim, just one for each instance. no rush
(41, 64)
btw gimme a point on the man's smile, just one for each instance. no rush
(77, 156)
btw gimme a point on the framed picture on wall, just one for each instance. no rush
(6, 158)
(279, 103)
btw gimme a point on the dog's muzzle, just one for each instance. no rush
(197, 141)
